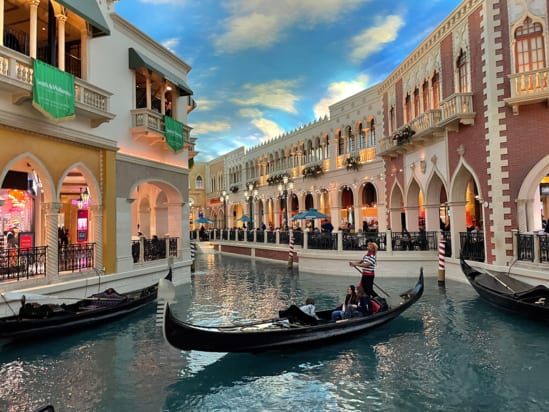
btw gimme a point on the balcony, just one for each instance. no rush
(427, 130)
(148, 126)
(456, 109)
(528, 88)
(16, 77)
(430, 126)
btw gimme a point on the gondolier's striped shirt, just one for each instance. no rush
(370, 270)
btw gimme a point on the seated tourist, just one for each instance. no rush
(309, 308)
(350, 299)
(363, 306)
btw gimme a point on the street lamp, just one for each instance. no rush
(250, 195)
(283, 189)
(224, 199)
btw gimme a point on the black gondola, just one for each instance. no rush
(281, 333)
(507, 293)
(51, 320)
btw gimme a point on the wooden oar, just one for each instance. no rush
(375, 284)
(500, 281)
(15, 296)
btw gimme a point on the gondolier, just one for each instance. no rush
(368, 268)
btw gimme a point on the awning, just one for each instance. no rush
(138, 60)
(89, 11)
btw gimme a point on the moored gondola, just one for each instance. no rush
(52, 320)
(509, 294)
(280, 333)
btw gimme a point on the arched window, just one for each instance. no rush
(341, 144)
(417, 111)
(435, 85)
(529, 48)
(199, 183)
(463, 73)
(425, 92)
(351, 139)
(392, 120)
(372, 134)
(408, 108)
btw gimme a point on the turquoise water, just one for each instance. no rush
(450, 352)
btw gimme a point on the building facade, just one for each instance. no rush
(79, 183)
(453, 140)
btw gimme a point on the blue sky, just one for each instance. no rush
(264, 67)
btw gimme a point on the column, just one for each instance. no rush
(61, 19)
(51, 213)
(96, 225)
(432, 218)
(84, 54)
(1, 22)
(33, 39)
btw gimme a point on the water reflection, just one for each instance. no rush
(449, 352)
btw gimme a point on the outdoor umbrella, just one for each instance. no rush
(243, 218)
(309, 215)
(203, 220)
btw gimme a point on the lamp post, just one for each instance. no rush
(250, 194)
(283, 189)
(224, 198)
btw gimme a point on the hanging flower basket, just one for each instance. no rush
(312, 171)
(403, 135)
(352, 163)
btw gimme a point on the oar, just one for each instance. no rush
(500, 281)
(375, 284)
(34, 296)
(7, 303)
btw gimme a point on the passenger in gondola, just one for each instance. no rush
(350, 299)
(309, 308)
(363, 306)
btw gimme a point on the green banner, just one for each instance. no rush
(53, 92)
(174, 133)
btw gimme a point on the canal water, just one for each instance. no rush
(450, 352)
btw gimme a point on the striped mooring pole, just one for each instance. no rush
(291, 252)
(193, 254)
(441, 264)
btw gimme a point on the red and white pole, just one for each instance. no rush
(441, 264)
(291, 253)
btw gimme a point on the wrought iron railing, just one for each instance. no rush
(525, 247)
(16, 264)
(76, 257)
(472, 245)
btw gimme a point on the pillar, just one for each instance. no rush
(51, 213)
(96, 224)
(33, 28)
(61, 19)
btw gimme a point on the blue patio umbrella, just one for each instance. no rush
(243, 218)
(310, 215)
(203, 220)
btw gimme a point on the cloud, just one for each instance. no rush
(259, 24)
(277, 94)
(339, 91)
(170, 2)
(249, 112)
(206, 104)
(374, 38)
(210, 127)
(171, 44)
(269, 128)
